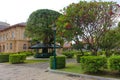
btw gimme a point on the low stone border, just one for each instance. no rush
(81, 75)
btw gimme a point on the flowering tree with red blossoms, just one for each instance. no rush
(88, 21)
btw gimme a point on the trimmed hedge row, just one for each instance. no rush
(4, 58)
(93, 63)
(27, 53)
(60, 62)
(78, 56)
(114, 63)
(17, 58)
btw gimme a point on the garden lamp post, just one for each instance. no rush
(54, 54)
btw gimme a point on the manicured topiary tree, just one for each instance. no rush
(39, 26)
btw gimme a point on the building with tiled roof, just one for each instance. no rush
(3, 25)
(13, 39)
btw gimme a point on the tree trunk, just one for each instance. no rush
(82, 52)
(94, 52)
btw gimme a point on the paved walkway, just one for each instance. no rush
(36, 71)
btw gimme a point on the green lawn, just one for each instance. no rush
(76, 68)
(35, 61)
(73, 67)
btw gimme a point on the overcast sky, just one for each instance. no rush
(16, 11)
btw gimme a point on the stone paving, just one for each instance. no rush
(36, 71)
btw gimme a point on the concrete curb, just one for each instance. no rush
(80, 75)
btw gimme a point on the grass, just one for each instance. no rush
(76, 68)
(35, 61)
(31, 61)
(73, 67)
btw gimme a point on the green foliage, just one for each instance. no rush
(88, 21)
(60, 40)
(40, 23)
(87, 53)
(17, 58)
(77, 46)
(60, 62)
(111, 40)
(4, 58)
(35, 61)
(115, 52)
(27, 53)
(93, 63)
(68, 54)
(114, 63)
(119, 24)
(101, 53)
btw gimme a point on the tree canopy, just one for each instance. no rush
(40, 23)
(87, 21)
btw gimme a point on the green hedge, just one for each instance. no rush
(60, 62)
(28, 53)
(68, 54)
(101, 53)
(87, 53)
(114, 63)
(93, 63)
(4, 57)
(17, 58)
(116, 52)
(76, 52)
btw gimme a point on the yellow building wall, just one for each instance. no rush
(15, 36)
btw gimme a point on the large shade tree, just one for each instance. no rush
(87, 21)
(39, 26)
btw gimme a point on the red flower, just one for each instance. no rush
(111, 13)
(68, 26)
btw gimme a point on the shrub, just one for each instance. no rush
(60, 62)
(101, 53)
(87, 53)
(28, 53)
(93, 63)
(115, 52)
(68, 54)
(4, 57)
(76, 52)
(17, 58)
(114, 63)
(78, 56)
